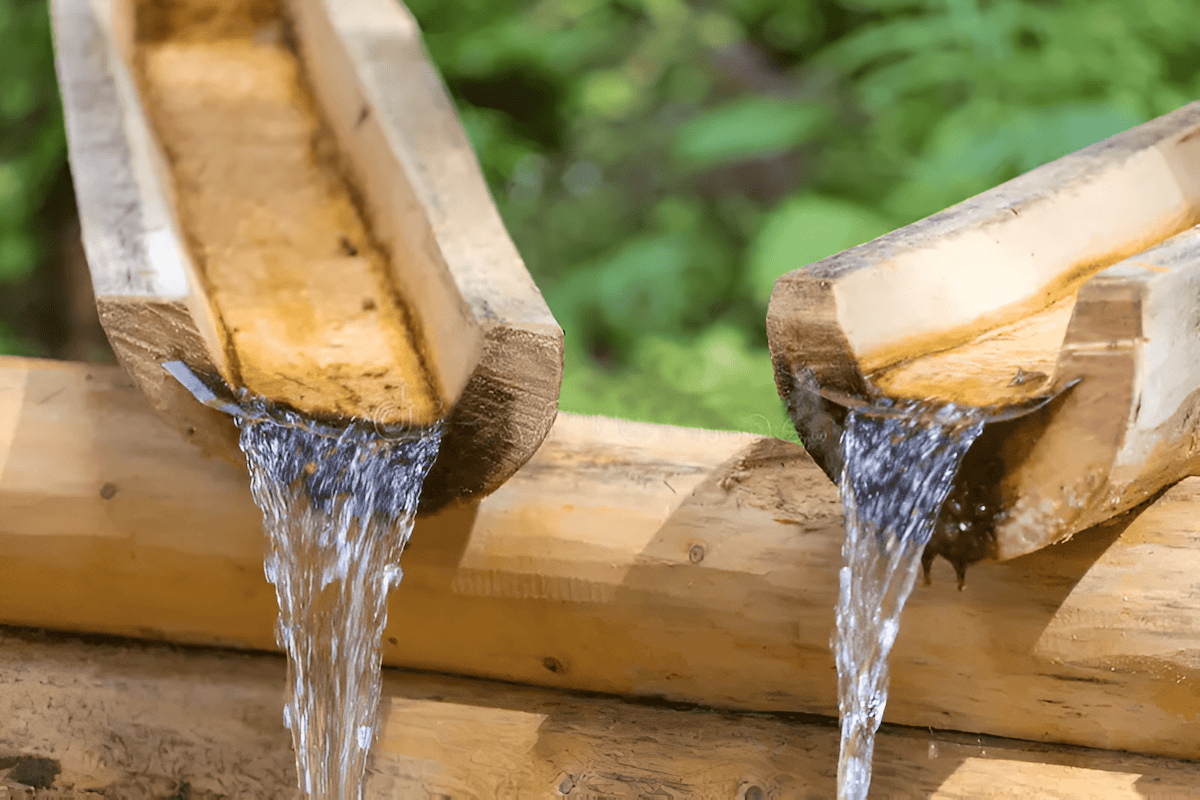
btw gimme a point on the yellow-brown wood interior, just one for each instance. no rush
(308, 308)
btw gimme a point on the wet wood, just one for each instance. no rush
(630, 559)
(1081, 269)
(134, 721)
(309, 224)
(304, 295)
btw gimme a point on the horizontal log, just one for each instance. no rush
(137, 721)
(624, 558)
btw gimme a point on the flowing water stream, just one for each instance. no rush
(338, 507)
(899, 466)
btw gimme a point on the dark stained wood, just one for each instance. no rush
(1083, 270)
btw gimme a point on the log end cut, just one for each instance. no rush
(280, 196)
(1080, 275)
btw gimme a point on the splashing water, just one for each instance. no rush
(897, 472)
(338, 507)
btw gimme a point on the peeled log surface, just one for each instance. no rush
(141, 721)
(1086, 268)
(628, 559)
(307, 224)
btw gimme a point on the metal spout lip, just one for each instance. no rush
(992, 414)
(201, 390)
(950, 304)
(250, 408)
(819, 414)
(965, 528)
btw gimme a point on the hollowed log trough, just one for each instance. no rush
(1065, 302)
(280, 196)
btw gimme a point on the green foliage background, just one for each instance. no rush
(32, 149)
(659, 163)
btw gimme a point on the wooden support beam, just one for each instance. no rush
(624, 558)
(137, 721)
(309, 224)
(1084, 272)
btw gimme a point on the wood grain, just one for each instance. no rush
(136, 721)
(1080, 270)
(489, 330)
(310, 225)
(636, 560)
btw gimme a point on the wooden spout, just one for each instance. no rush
(279, 195)
(1086, 269)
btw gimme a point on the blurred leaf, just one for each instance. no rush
(1062, 129)
(640, 288)
(17, 97)
(715, 381)
(19, 254)
(609, 93)
(755, 126)
(900, 36)
(498, 148)
(727, 377)
(679, 215)
(15, 194)
(718, 30)
(806, 229)
(32, 147)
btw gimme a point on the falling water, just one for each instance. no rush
(338, 508)
(899, 466)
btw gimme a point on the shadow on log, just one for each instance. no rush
(636, 560)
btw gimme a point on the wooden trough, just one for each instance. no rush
(1079, 280)
(637, 611)
(281, 197)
